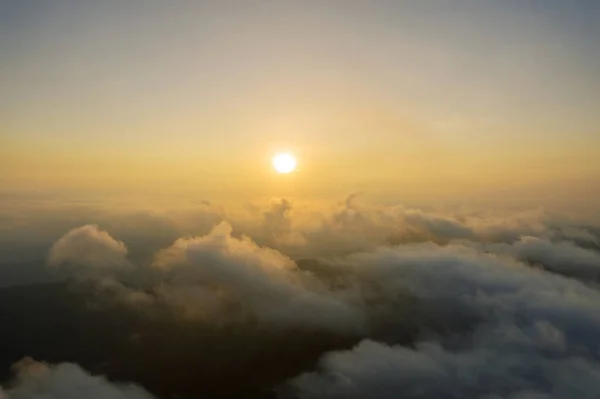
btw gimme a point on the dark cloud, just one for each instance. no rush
(36, 380)
(375, 370)
(536, 335)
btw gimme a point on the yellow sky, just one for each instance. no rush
(397, 99)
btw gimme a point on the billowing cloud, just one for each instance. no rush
(354, 225)
(277, 225)
(217, 276)
(297, 228)
(562, 257)
(436, 226)
(534, 333)
(36, 380)
(378, 371)
(219, 269)
(90, 247)
(93, 255)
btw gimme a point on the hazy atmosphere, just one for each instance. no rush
(299, 199)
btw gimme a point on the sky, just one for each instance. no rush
(407, 100)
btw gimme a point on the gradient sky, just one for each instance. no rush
(407, 99)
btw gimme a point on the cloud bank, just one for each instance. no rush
(561, 257)
(535, 334)
(447, 303)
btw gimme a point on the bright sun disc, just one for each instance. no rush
(284, 162)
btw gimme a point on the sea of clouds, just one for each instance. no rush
(445, 303)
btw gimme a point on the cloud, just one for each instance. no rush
(375, 370)
(295, 227)
(90, 247)
(508, 225)
(535, 333)
(561, 257)
(436, 226)
(441, 302)
(93, 256)
(36, 380)
(355, 225)
(217, 276)
(446, 304)
(580, 235)
(494, 288)
(350, 226)
(277, 225)
(219, 269)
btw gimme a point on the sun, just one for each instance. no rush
(284, 162)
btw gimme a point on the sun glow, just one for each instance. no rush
(284, 162)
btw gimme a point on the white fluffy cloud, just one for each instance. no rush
(36, 380)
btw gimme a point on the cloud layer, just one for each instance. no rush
(448, 303)
(561, 257)
(535, 334)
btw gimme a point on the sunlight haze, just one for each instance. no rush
(415, 99)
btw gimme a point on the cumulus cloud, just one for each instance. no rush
(90, 247)
(217, 276)
(219, 269)
(36, 380)
(535, 336)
